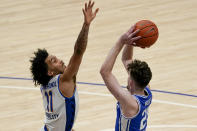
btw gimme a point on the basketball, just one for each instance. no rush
(148, 32)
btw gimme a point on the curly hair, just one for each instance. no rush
(39, 68)
(140, 72)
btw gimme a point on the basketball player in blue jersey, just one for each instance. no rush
(58, 82)
(133, 102)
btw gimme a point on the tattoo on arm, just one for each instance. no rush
(82, 40)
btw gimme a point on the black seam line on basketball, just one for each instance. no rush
(97, 84)
(148, 36)
(146, 27)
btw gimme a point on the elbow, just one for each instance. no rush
(103, 71)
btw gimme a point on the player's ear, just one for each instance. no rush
(50, 73)
(131, 83)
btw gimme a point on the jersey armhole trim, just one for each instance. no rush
(148, 91)
(138, 102)
(58, 79)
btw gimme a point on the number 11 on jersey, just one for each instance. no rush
(49, 101)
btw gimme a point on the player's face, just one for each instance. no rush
(55, 65)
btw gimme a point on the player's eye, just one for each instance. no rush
(52, 60)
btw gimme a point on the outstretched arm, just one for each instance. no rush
(106, 70)
(81, 43)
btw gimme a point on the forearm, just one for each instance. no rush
(75, 61)
(81, 43)
(111, 58)
(127, 53)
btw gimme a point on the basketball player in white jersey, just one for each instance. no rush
(58, 82)
(133, 102)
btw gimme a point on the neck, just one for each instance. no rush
(140, 92)
(137, 91)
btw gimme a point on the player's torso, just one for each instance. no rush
(137, 122)
(60, 111)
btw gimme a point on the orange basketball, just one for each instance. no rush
(148, 31)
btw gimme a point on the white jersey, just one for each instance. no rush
(60, 111)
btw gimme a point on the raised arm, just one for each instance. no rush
(127, 55)
(106, 70)
(81, 43)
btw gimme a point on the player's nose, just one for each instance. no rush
(61, 62)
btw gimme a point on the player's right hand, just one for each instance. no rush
(88, 14)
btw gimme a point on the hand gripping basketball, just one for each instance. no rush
(130, 36)
(148, 31)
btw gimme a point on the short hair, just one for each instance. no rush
(140, 72)
(39, 68)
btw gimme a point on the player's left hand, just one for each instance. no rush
(88, 14)
(129, 37)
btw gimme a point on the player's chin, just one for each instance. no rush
(63, 68)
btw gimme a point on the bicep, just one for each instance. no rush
(122, 95)
(72, 68)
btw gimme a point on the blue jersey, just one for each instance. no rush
(60, 111)
(139, 121)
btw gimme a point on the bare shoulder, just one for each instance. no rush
(67, 87)
(130, 107)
